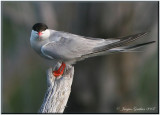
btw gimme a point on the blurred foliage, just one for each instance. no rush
(9, 36)
(103, 84)
(149, 84)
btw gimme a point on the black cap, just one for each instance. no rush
(39, 27)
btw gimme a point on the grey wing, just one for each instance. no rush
(73, 47)
(118, 46)
(70, 48)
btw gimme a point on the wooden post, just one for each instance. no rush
(58, 91)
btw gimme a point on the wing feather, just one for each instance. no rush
(122, 42)
(73, 47)
(70, 48)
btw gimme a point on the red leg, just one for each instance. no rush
(60, 71)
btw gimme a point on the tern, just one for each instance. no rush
(68, 48)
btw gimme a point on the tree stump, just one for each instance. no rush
(58, 90)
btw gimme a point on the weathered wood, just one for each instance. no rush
(58, 91)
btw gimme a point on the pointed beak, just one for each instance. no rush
(39, 33)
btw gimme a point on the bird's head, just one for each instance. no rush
(40, 31)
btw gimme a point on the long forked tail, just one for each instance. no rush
(123, 41)
(119, 46)
(130, 48)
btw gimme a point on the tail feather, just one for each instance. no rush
(140, 45)
(130, 48)
(119, 46)
(118, 49)
(122, 42)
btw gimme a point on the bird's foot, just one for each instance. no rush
(60, 71)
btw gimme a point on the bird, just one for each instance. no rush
(68, 48)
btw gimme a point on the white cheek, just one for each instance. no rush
(46, 34)
(43, 37)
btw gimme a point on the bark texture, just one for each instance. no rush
(58, 91)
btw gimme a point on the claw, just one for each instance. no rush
(60, 71)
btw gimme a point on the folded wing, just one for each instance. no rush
(73, 47)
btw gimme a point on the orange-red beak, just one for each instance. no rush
(39, 33)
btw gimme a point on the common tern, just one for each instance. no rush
(69, 48)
